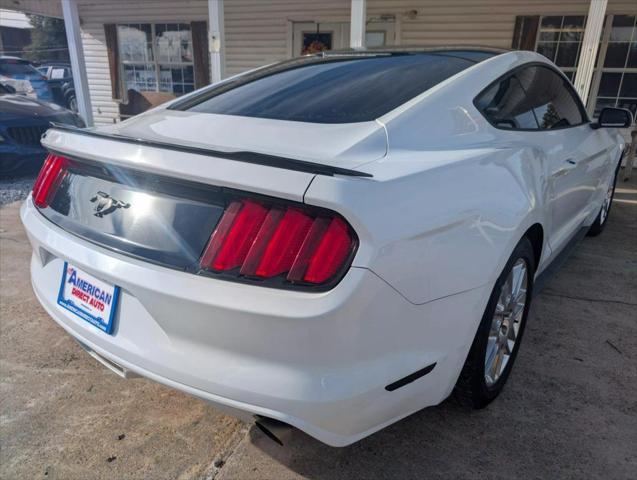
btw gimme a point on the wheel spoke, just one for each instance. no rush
(519, 278)
(512, 332)
(495, 327)
(496, 367)
(500, 307)
(492, 350)
(510, 343)
(518, 308)
(506, 296)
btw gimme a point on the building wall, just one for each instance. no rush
(95, 13)
(259, 31)
(488, 22)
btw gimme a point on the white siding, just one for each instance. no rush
(488, 23)
(257, 31)
(13, 19)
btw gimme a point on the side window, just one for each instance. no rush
(552, 98)
(506, 106)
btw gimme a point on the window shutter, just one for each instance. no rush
(201, 58)
(112, 48)
(525, 32)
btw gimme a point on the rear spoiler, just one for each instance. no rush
(246, 157)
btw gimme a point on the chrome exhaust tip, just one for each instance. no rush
(275, 430)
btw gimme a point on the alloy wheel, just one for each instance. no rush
(603, 215)
(506, 322)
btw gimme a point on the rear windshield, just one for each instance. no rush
(13, 67)
(331, 89)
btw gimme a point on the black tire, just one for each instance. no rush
(71, 101)
(472, 390)
(602, 219)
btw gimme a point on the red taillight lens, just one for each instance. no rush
(330, 254)
(234, 236)
(285, 243)
(49, 178)
(265, 242)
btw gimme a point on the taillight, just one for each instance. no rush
(295, 244)
(49, 179)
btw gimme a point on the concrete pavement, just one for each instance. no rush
(569, 409)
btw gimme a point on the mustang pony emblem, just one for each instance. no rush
(106, 204)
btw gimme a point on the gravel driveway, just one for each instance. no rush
(15, 188)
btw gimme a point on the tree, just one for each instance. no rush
(48, 39)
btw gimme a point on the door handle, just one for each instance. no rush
(565, 170)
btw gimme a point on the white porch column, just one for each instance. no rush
(357, 24)
(216, 40)
(74, 40)
(590, 45)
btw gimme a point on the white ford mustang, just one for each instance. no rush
(333, 242)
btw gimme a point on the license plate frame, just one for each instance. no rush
(83, 294)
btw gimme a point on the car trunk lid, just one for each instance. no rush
(345, 145)
(159, 204)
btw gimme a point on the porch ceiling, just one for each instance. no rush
(49, 8)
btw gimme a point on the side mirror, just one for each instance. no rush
(614, 118)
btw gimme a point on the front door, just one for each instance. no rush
(313, 37)
(576, 160)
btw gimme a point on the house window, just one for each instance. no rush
(375, 39)
(156, 57)
(618, 81)
(614, 82)
(560, 40)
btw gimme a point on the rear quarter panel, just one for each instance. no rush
(453, 196)
(444, 230)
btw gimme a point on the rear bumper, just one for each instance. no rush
(318, 361)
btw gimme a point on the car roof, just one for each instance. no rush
(467, 52)
(13, 59)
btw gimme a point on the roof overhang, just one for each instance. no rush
(48, 8)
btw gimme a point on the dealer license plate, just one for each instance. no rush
(88, 297)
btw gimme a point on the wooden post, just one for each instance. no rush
(216, 42)
(590, 45)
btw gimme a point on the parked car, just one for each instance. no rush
(60, 78)
(333, 242)
(23, 120)
(24, 78)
